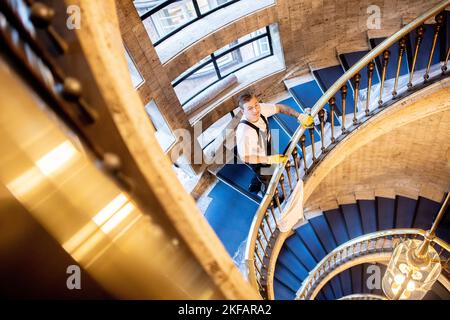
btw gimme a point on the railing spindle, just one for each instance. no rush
(272, 212)
(259, 258)
(313, 147)
(322, 128)
(277, 201)
(295, 157)
(401, 51)
(265, 236)
(437, 27)
(386, 54)
(444, 67)
(344, 106)
(370, 68)
(288, 171)
(268, 222)
(258, 238)
(332, 103)
(303, 144)
(419, 36)
(283, 189)
(356, 97)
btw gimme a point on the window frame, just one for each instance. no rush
(213, 59)
(198, 15)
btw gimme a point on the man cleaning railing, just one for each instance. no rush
(253, 138)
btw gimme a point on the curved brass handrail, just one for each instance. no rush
(260, 220)
(322, 273)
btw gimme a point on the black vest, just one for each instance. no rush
(261, 138)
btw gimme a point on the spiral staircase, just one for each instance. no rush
(342, 97)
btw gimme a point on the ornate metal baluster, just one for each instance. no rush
(259, 256)
(277, 200)
(386, 54)
(437, 27)
(258, 238)
(283, 189)
(258, 270)
(370, 68)
(266, 217)
(444, 67)
(322, 128)
(401, 51)
(356, 97)
(419, 36)
(303, 144)
(332, 103)
(295, 157)
(41, 16)
(344, 106)
(288, 171)
(264, 234)
(272, 211)
(313, 147)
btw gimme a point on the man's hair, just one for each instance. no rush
(244, 98)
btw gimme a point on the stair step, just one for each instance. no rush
(349, 59)
(386, 213)
(352, 220)
(405, 210)
(309, 237)
(323, 231)
(301, 252)
(282, 292)
(326, 77)
(232, 232)
(336, 222)
(368, 211)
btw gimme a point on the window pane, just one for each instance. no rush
(241, 40)
(243, 56)
(136, 77)
(196, 82)
(144, 6)
(164, 135)
(214, 130)
(208, 5)
(169, 19)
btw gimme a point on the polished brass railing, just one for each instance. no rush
(375, 245)
(263, 232)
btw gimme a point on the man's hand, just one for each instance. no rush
(306, 120)
(276, 158)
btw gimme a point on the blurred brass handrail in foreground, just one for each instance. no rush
(357, 248)
(270, 196)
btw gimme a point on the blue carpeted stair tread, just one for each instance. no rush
(368, 211)
(323, 231)
(326, 77)
(386, 213)
(405, 211)
(337, 224)
(309, 237)
(282, 292)
(349, 59)
(231, 223)
(301, 251)
(352, 220)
